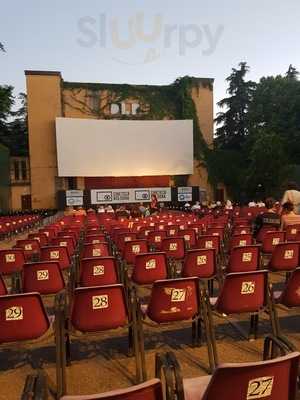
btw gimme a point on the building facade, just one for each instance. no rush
(49, 97)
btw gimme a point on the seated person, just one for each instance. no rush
(80, 211)
(268, 218)
(289, 217)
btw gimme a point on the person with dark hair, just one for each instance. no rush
(268, 218)
(292, 195)
(289, 217)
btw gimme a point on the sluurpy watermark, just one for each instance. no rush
(106, 32)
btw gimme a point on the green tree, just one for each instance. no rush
(233, 122)
(276, 107)
(292, 73)
(268, 163)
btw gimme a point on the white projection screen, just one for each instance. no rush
(90, 147)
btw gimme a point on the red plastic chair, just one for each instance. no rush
(149, 390)
(244, 239)
(98, 271)
(200, 263)
(58, 254)
(173, 300)
(41, 237)
(98, 309)
(95, 250)
(209, 242)
(244, 259)
(271, 240)
(133, 248)
(172, 230)
(292, 233)
(149, 267)
(285, 257)
(241, 230)
(22, 317)
(174, 247)
(43, 277)
(11, 261)
(262, 232)
(98, 238)
(189, 236)
(30, 247)
(49, 232)
(64, 241)
(122, 238)
(271, 380)
(155, 239)
(290, 296)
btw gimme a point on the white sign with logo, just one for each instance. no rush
(74, 197)
(185, 193)
(117, 196)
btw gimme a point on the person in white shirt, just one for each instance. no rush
(252, 204)
(261, 204)
(101, 209)
(109, 209)
(228, 205)
(292, 195)
(196, 206)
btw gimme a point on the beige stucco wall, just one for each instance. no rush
(16, 192)
(44, 105)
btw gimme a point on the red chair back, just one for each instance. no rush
(244, 239)
(174, 247)
(292, 233)
(290, 296)
(155, 239)
(285, 257)
(43, 277)
(209, 242)
(243, 292)
(241, 230)
(124, 237)
(189, 236)
(263, 231)
(64, 241)
(200, 263)
(271, 240)
(172, 230)
(98, 238)
(95, 250)
(99, 308)
(149, 267)
(49, 232)
(273, 380)
(244, 259)
(42, 238)
(173, 300)
(58, 254)
(30, 247)
(22, 317)
(133, 248)
(149, 390)
(98, 271)
(11, 261)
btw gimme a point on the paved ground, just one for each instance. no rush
(100, 363)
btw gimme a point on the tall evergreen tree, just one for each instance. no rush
(292, 73)
(233, 123)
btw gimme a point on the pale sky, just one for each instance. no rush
(148, 42)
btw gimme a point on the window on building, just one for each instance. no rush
(23, 170)
(16, 170)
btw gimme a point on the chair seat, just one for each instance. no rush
(194, 388)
